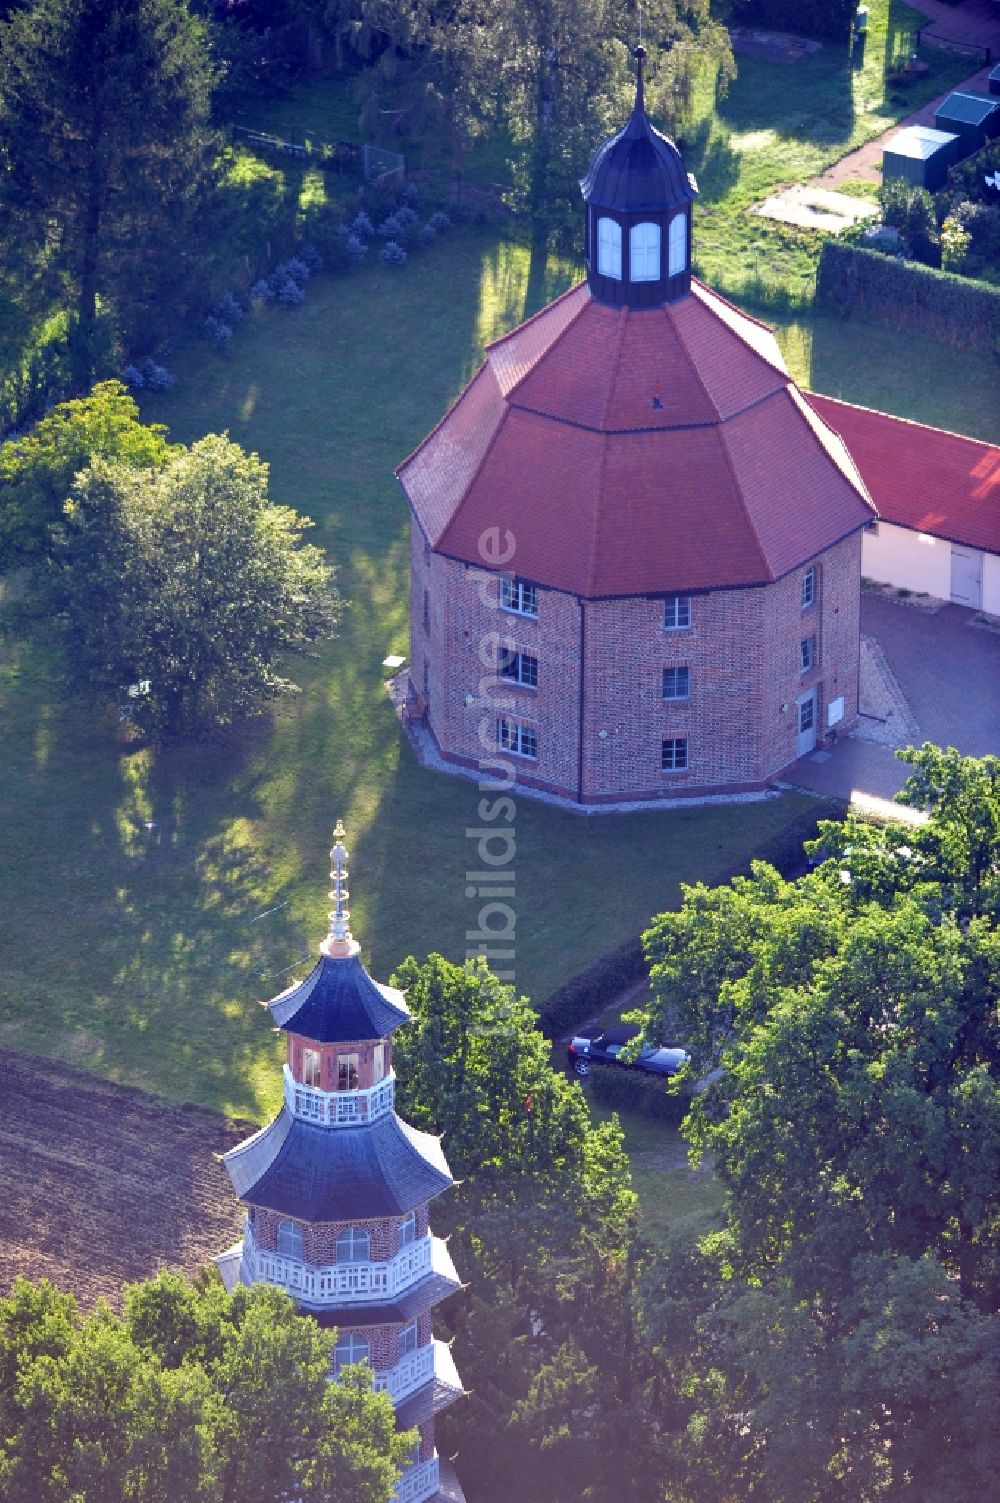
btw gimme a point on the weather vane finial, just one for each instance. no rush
(339, 941)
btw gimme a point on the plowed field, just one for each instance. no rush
(102, 1184)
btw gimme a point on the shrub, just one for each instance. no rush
(392, 253)
(955, 242)
(439, 221)
(310, 256)
(218, 330)
(632, 1091)
(902, 295)
(228, 310)
(593, 989)
(295, 270)
(155, 377)
(291, 293)
(428, 233)
(261, 292)
(390, 228)
(910, 210)
(133, 377)
(362, 225)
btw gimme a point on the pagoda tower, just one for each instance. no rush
(337, 1190)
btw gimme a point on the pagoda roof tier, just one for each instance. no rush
(637, 451)
(385, 1168)
(444, 1387)
(338, 1002)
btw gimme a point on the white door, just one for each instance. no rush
(806, 725)
(967, 576)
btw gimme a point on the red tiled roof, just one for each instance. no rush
(636, 451)
(922, 478)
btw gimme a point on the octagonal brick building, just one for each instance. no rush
(635, 546)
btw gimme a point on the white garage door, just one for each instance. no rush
(966, 576)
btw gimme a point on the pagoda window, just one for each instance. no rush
(408, 1339)
(350, 1348)
(609, 248)
(378, 1063)
(347, 1072)
(289, 1239)
(407, 1230)
(353, 1246)
(644, 253)
(677, 247)
(311, 1064)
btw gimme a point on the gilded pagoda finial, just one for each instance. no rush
(339, 941)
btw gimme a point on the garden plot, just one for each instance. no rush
(104, 1184)
(816, 208)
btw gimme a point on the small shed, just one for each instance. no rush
(974, 118)
(994, 81)
(921, 155)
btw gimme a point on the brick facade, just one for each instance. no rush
(319, 1238)
(600, 731)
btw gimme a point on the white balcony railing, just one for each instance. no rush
(340, 1108)
(337, 1283)
(409, 1374)
(418, 1482)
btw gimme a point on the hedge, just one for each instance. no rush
(829, 19)
(632, 1091)
(939, 305)
(600, 983)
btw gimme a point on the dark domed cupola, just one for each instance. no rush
(638, 197)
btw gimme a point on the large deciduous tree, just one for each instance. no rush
(192, 1395)
(104, 151)
(37, 470)
(187, 579)
(841, 1333)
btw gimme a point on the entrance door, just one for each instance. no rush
(806, 738)
(967, 576)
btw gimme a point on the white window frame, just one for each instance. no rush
(674, 607)
(807, 654)
(516, 667)
(407, 1230)
(521, 740)
(518, 596)
(677, 669)
(675, 741)
(644, 252)
(409, 1338)
(609, 248)
(312, 1067)
(378, 1063)
(677, 245)
(809, 582)
(353, 1246)
(289, 1241)
(348, 1064)
(350, 1348)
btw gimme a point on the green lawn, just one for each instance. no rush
(672, 1195)
(132, 879)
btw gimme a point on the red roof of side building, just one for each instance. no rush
(637, 451)
(922, 478)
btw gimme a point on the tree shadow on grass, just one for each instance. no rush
(810, 101)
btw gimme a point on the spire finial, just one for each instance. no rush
(339, 941)
(640, 58)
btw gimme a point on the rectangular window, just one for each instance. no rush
(347, 1072)
(644, 253)
(807, 654)
(378, 1063)
(311, 1060)
(518, 595)
(408, 1339)
(677, 612)
(808, 589)
(677, 683)
(675, 754)
(609, 248)
(517, 667)
(677, 245)
(514, 737)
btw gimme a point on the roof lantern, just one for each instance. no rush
(638, 197)
(338, 1001)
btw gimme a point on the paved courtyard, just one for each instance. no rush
(948, 672)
